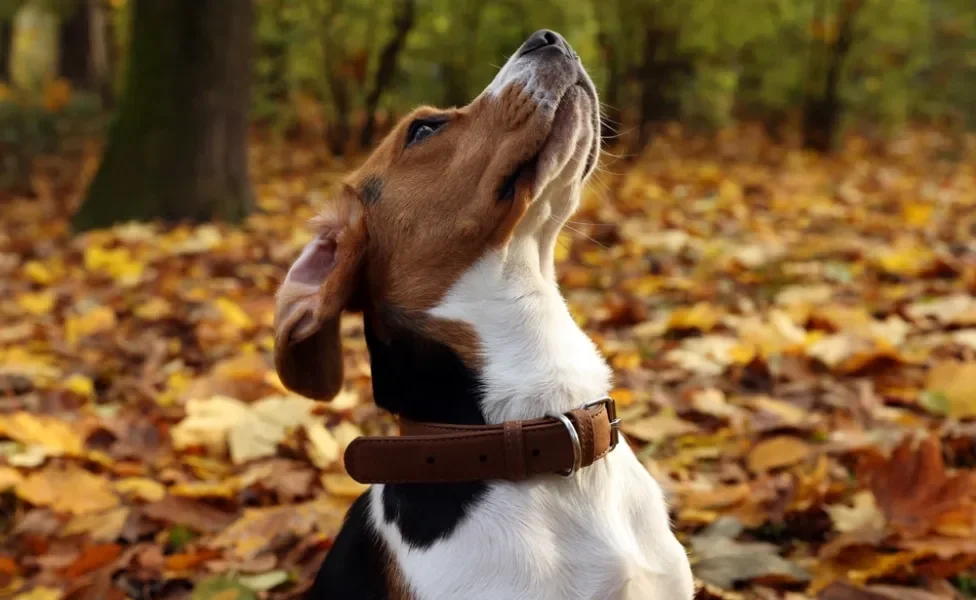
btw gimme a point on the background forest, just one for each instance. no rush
(777, 257)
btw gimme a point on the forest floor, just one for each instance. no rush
(793, 339)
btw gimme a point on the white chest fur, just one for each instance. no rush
(602, 535)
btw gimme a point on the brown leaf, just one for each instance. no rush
(257, 527)
(915, 492)
(185, 562)
(191, 513)
(846, 591)
(92, 558)
(777, 452)
(68, 489)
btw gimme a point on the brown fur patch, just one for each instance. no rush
(439, 213)
(396, 584)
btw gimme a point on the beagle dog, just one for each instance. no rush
(443, 239)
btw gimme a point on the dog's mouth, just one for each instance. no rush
(522, 176)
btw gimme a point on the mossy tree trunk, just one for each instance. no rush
(177, 149)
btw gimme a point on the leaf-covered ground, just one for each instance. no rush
(794, 340)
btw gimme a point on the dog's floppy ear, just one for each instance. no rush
(318, 287)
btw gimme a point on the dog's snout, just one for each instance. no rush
(543, 39)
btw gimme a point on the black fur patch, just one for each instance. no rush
(423, 380)
(371, 189)
(355, 565)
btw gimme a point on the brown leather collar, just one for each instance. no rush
(513, 450)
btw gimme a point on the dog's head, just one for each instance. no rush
(442, 189)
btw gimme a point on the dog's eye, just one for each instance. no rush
(421, 129)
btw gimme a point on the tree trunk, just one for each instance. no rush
(661, 73)
(822, 112)
(177, 149)
(76, 47)
(402, 24)
(98, 58)
(5, 33)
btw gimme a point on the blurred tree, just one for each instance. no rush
(835, 38)
(178, 146)
(402, 24)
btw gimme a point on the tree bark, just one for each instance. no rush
(661, 72)
(98, 57)
(402, 24)
(822, 112)
(5, 34)
(76, 47)
(177, 149)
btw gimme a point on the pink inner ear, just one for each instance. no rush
(317, 260)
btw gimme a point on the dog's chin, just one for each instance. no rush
(569, 152)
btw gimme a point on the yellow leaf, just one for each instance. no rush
(9, 478)
(563, 244)
(226, 488)
(234, 314)
(323, 449)
(777, 452)
(100, 527)
(51, 434)
(39, 303)
(701, 316)
(38, 273)
(68, 489)
(340, 484)
(142, 488)
(622, 396)
(117, 263)
(80, 385)
(40, 593)
(96, 320)
(156, 308)
(954, 380)
(917, 214)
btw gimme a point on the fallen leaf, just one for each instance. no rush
(256, 528)
(92, 558)
(657, 428)
(40, 593)
(194, 514)
(68, 489)
(263, 582)
(951, 380)
(342, 485)
(323, 449)
(100, 527)
(221, 587)
(777, 452)
(9, 478)
(55, 436)
(184, 562)
(863, 515)
(917, 495)
(722, 561)
(143, 488)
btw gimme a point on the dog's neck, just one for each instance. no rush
(533, 357)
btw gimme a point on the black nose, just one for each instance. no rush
(542, 39)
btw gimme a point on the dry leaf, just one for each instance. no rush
(777, 452)
(69, 489)
(657, 428)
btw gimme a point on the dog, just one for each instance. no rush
(443, 239)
